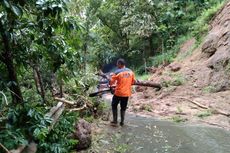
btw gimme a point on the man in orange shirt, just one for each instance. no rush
(123, 79)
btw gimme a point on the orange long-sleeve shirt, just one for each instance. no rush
(123, 79)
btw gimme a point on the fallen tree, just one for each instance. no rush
(104, 87)
(54, 113)
(148, 84)
(138, 83)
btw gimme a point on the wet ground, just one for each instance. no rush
(146, 135)
(149, 135)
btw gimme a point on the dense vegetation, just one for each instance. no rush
(50, 47)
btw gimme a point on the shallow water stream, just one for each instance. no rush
(149, 135)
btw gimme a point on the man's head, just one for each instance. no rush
(120, 63)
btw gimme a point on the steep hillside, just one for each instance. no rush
(197, 84)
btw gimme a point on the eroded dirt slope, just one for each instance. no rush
(197, 85)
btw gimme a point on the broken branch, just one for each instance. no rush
(216, 111)
(4, 148)
(64, 101)
(78, 109)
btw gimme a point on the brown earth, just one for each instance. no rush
(202, 78)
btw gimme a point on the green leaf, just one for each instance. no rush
(6, 3)
(16, 10)
(40, 2)
(31, 112)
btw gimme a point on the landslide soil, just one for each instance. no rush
(203, 78)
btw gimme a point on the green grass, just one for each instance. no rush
(146, 107)
(122, 148)
(178, 119)
(209, 89)
(177, 80)
(142, 77)
(227, 68)
(204, 114)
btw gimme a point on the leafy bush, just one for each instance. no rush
(161, 59)
(33, 120)
(198, 28)
(143, 76)
(140, 70)
(59, 140)
(29, 122)
(170, 55)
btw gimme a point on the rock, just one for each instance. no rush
(219, 64)
(83, 134)
(210, 45)
(168, 104)
(220, 59)
(174, 67)
(195, 85)
(217, 47)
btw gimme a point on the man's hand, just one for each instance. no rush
(111, 74)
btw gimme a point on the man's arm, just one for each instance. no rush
(113, 79)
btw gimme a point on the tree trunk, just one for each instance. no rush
(151, 49)
(85, 54)
(52, 84)
(39, 83)
(61, 88)
(126, 42)
(138, 83)
(36, 81)
(14, 87)
(7, 59)
(85, 46)
(148, 84)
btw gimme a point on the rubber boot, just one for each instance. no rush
(114, 122)
(122, 118)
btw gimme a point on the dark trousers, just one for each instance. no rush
(122, 100)
(123, 104)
